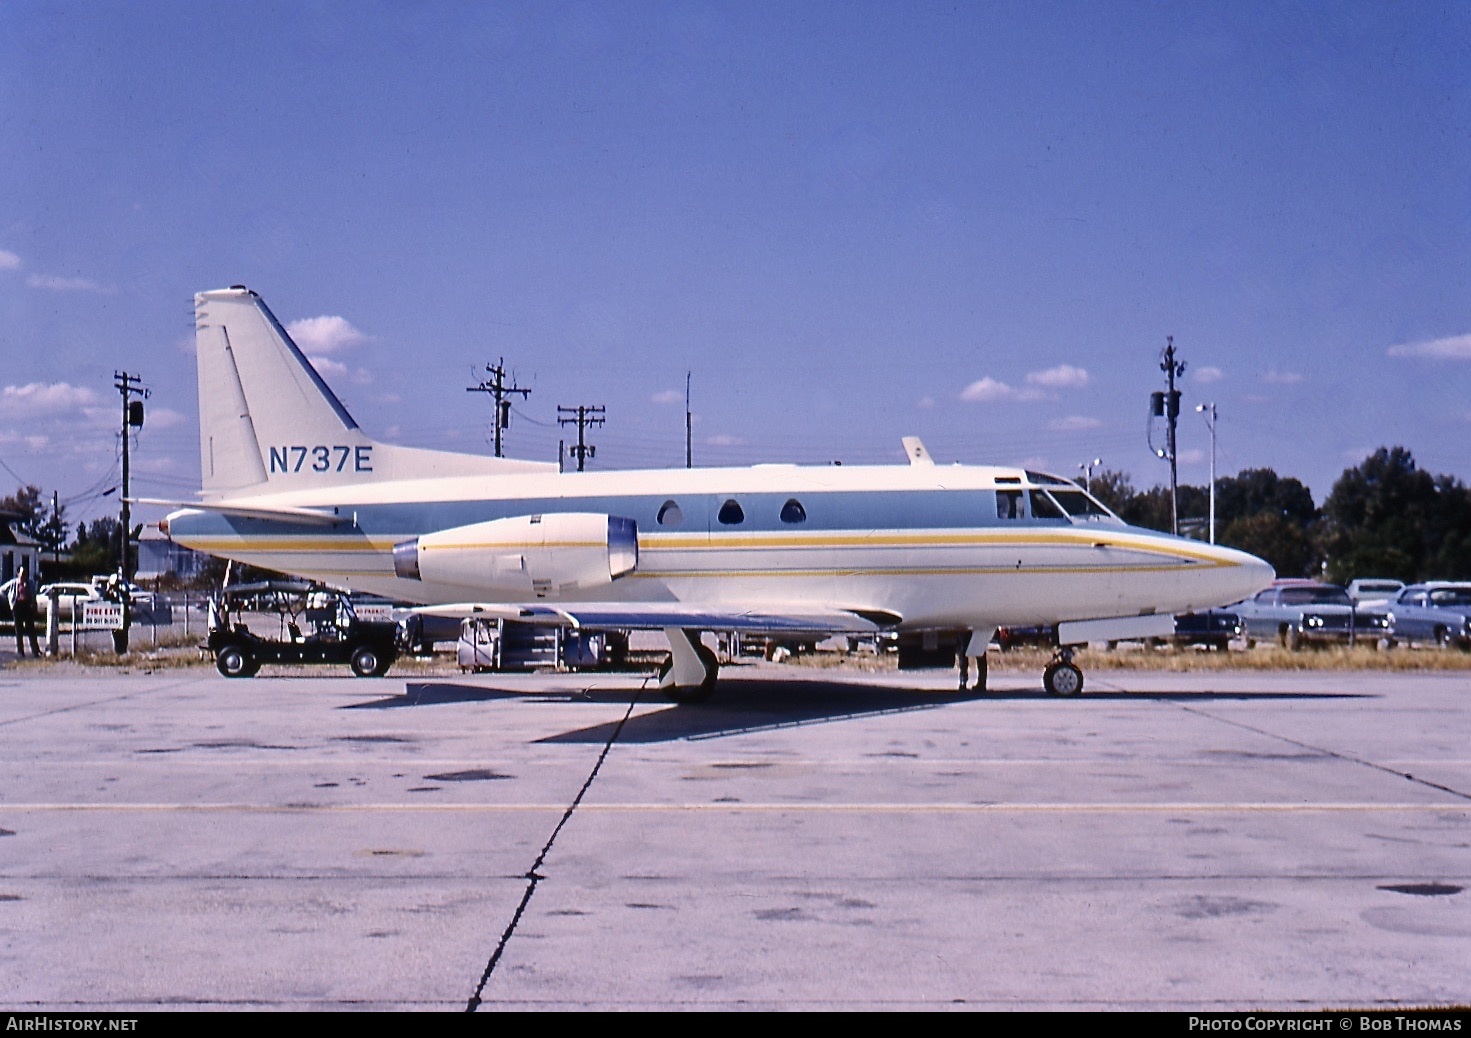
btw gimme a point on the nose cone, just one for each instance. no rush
(1235, 575)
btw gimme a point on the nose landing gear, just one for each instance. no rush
(1062, 676)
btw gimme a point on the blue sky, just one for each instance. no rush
(973, 222)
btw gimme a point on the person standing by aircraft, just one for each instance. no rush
(23, 609)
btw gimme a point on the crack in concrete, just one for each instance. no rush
(1335, 754)
(533, 875)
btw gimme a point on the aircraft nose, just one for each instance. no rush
(1242, 574)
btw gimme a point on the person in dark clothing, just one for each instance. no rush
(23, 609)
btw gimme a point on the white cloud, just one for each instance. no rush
(990, 391)
(1192, 457)
(1455, 347)
(324, 334)
(9, 260)
(1064, 376)
(724, 440)
(926, 402)
(60, 284)
(668, 396)
(1281, 378)
(1207, 375)
(37, 398)
(987, 391)
(1074, 423)
(163, 418)
(328, 366)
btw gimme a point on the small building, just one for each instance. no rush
(159, 557)
(16, 547)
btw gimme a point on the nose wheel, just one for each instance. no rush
(1062, 676)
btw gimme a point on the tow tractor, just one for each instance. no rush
(336, 634)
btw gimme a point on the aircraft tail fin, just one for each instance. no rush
(268, 422)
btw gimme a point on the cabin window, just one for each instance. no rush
(670, 514)
(1009, 504)
(730, 513)
(793, 512)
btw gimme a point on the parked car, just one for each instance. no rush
(71, 597)
(1373, 591)
(109, 586)
(1437, 611)
(1214, 628)
(1295, 614)
(1009, 638)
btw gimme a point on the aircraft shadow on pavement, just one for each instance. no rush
(743, 705)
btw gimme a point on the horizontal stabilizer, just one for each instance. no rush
(279, 513)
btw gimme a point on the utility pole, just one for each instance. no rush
(58, 534)
(1167, 405)
(1209, 410)
(582, 416)
(497, 388)
(689, 457)
(128, 386)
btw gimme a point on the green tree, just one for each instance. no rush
(95, 549)
(26, 503)
(1113, 489)
(1255, 491)
(1274, 538)
(1387, 517)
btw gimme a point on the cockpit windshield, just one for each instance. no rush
(1064, 500)
(1080, 505)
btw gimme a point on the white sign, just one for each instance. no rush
(102, 616)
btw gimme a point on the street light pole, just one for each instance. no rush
(1209, 411)
(1087, 468)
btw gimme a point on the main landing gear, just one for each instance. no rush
(965, 662)
(688, 675)
(971, 645)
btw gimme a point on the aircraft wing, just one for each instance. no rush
(659, 615)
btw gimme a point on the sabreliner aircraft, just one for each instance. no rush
(938, 555)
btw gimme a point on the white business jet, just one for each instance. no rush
(938, 556)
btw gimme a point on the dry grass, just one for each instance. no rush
(180, 654)
(1137, 657)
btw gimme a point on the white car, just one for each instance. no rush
(140, 597)
(1373, 591)
(70, 598)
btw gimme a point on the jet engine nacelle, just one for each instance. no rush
(527, 555)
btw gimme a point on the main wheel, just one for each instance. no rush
(364, 661)
(1062, 679)
(234, 661)
(1293, 639)
(685, 694)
